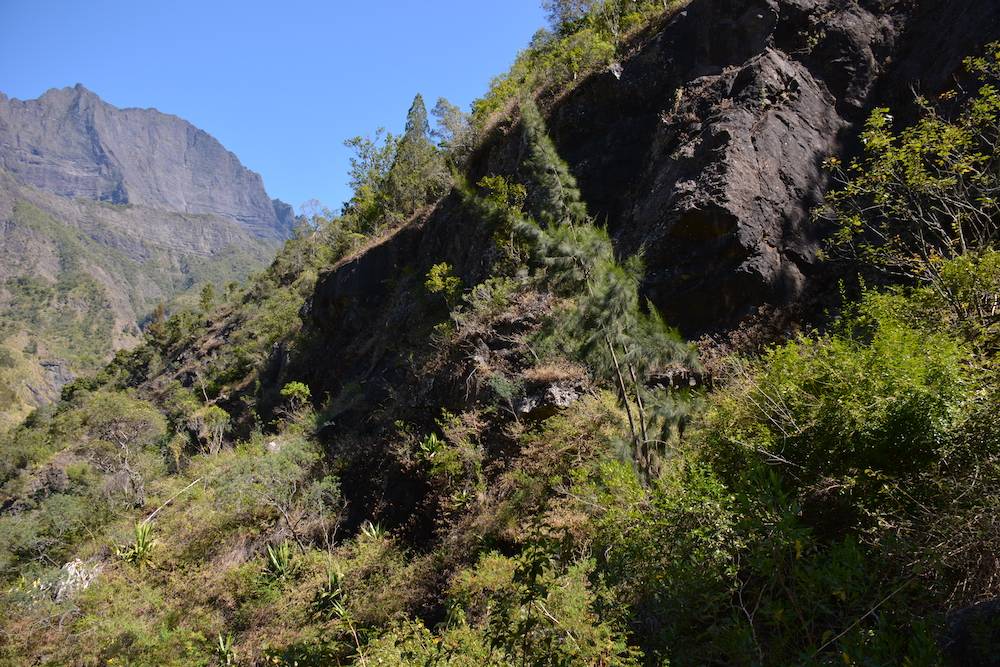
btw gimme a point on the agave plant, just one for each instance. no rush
(224, 650)
(139, 553)
(279, 560)
(373, 531)
(430, 446)
(329, 599)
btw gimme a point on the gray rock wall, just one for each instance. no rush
(71, 143)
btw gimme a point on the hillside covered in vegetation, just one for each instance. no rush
(106, 214)
(677, 350)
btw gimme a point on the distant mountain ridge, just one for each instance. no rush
(71, 143)
(105, 213)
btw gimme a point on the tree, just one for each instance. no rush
(417, 125)
(418, 174)
(157, 323)
(394, 176)
(452, 129)
(615, 333)
(554, 198)
(369, 175)
(925, 195)
(207, 298)
(562, 14)
(127, 426)
(210, 423)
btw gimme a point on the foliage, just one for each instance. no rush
(210, 423)
(418, 175)
(587, 36)
(440, 280)
(139, 552)
(279, 560)
(877, 396)
(329, 599)
(513, 611)
(452, 131)
(207, 298)
(506, 201)
(607, 325)
(370, 167)
(394, 176)
(928, 193)
(554, 198)
(224, 651)
(296, 394)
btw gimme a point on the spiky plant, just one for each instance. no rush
(373, 531)
(139, 553)
(279, 560)
(224, 650)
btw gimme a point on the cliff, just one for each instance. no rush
(104, 213)
(71, 143)
(702, 150)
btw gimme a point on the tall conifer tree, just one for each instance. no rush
(615, 334)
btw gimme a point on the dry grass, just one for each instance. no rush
(555, 372)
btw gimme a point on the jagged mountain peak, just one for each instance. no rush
(72, 143)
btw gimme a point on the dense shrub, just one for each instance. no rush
(875, 397)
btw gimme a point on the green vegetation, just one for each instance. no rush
(441, 281)
(140, 551)
(72, 314)
(394, 176)
(927, 194)
(586, 35)
(828, 501)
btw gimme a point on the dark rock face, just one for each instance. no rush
(71, 143)
(973, 636)
(702, 150)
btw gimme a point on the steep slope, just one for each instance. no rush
(702, 153)
(71, 143)
(104, 213)
(420, 448)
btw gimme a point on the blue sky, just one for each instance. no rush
(281, 84)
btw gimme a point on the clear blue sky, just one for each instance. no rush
(281, 84)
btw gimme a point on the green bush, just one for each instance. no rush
(440, 280)
(927, 193)
(513, 611)
(296, 394)
(875, 397)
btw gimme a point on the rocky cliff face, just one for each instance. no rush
(702, 150)
(71, 143)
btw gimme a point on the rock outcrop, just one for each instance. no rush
(71, 143)
(702, 150)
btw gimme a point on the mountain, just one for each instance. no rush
(105, 213)
(467, 429)
(73, 144)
